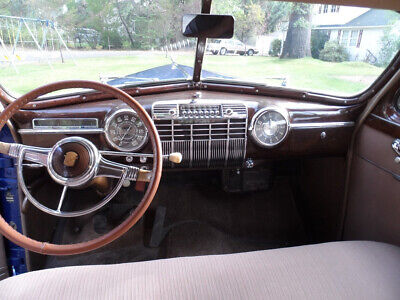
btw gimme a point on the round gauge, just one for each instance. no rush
(270, 127)
(125, 131)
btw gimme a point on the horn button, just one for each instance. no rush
(72, 161)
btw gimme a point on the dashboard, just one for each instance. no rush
(210, 129)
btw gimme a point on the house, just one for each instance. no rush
(358, 29)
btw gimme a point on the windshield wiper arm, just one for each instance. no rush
(178, 66)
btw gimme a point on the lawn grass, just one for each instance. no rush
(308, 74)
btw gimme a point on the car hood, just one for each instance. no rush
(167, 72)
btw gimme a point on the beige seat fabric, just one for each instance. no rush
(340, 270)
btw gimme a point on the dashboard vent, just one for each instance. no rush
(172, 130)
(204, 142)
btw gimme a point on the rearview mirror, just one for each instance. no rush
(208, 26)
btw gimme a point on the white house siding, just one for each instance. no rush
(344, 15)
(263, 42)
(370, 40)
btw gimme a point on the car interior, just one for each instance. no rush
(205, 188)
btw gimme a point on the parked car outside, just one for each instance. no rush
(233, 46)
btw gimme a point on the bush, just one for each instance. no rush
(333, 52)
(318, 40)
(276, 46)
(390, 44)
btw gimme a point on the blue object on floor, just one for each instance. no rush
(9, 206)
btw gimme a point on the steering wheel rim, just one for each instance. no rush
(82, 247)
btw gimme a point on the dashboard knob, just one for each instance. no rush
(175, 157)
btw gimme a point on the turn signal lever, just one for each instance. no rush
(145, 175)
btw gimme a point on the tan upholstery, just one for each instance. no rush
(340, 270)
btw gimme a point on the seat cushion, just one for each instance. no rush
(339, 270)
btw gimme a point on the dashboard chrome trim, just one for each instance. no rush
(95, 120)
(62, 131)
(321, 125)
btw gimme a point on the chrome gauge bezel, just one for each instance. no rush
(261, 112)
(109, 140)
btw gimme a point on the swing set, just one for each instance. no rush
(18, 33)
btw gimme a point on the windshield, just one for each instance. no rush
(332, 49)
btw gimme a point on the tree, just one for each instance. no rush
(297, 43)
(276, 13)
(318, 40)
(249, 22)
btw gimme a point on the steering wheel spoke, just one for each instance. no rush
(35, 155)
(108, 168)
(62, 197)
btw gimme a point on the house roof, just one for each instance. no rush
(371, 18)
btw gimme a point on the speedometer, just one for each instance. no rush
(269, 127)
(125, 131)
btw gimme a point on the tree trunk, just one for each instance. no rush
(130, 36)
(298, 36)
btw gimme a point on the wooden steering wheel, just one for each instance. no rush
(89, 164)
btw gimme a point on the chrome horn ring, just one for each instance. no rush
(97, 166)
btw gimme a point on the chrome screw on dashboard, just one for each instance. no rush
(323, 135)
(126, 183)
(129, 159)
(249, 163)
(143, 159)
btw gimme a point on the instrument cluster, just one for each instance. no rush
(125, 131)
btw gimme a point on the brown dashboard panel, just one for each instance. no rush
(314, 128)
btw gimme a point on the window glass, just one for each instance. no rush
(353, 38)
(339, 50)
(345, 37)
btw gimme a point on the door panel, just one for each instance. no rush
(373, 210)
